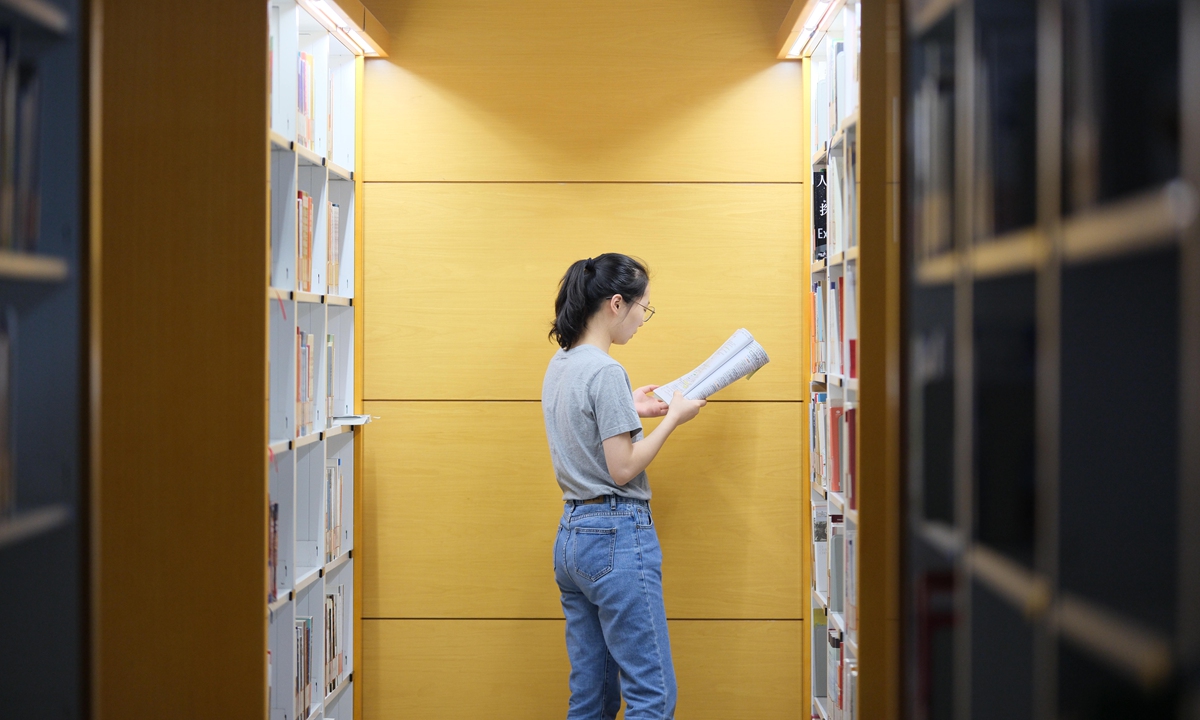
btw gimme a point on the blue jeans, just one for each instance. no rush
(608, 565)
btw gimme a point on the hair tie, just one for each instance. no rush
(590, 264)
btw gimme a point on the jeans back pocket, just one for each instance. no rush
(593, 551)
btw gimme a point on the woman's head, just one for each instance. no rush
(608, 288)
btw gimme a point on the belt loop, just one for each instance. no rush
(612, 503)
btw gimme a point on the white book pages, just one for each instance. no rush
(739, 357)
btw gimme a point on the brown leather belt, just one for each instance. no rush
(593, 501)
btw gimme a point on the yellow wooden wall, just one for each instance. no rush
(503, 140)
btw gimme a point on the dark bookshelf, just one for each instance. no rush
(1053, 360)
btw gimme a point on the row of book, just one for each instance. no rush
(834, 577)
(306, 381)
(333, 509)
(835, 76)
(306, 226)
(833, 324)
(306, 106)
(835, 676)
(8, 477)
(833, 445)
(335, 615)
(273, 552)
(20, 118)
(303, 677)
(932, 188)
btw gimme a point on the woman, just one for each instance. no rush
(607, 560)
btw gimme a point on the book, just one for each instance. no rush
(333, 266)
(740, 357)
(818, 466)
(850, 581)
(850, 690)
(850, 461)
(304, 238)
(334, 621)
(837, 560)
(818, 357)
(330, 342)
(820, 550)
(833, 450)
(333, 509)
(304, 101)
(850, 320)
(820, 683)
(8, 479)
(833, 674)
(820, 210)
(304, 629)
(833, 345)
(273, 552)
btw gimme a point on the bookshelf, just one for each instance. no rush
(317, 52)
(1052, 318)
(43, 261)
(851, 70)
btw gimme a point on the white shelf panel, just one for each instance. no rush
(32, 523)
(836, 500)
(819, 703)
(338, 562)
(280, 603)
(930, 13)
(821, 599)
(818, 490)
(837, 620)
(30, 267)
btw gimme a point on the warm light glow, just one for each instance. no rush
(815, 16)
(358, 40)
(799, 44)
(328, 12)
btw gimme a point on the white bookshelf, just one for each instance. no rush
(310, 302)
(831, 50)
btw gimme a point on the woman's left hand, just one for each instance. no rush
(648, 405)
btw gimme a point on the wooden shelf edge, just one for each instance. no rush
(309, 577)
(1149, 220)
(939, 270)
(835, 498)
(1020, 586)
(337, 300)
(39, 14)
(851, 515)
(1011, 254)
(308, 439)
(838, 620)
(341, 172)
(308, 157)
(31, 267)
(851, 253)
(308, 297)
(337, 430)
(818, 490)
(1142, 654)
(822, 600)
(337, 562)
(279, 446)
(343, 683)
(279, 602)
(32, 523)
(819, 701)
(942, 537)
(931, 14)
(278, 141)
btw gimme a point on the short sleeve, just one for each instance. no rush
(613, 402)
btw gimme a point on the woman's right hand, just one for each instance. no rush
(682, 409)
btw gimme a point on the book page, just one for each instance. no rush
(741, 355)
(736, 342)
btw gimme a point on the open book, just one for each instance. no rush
(739, 357)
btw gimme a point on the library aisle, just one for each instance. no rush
(563, 132)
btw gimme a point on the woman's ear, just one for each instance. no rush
(614, 303)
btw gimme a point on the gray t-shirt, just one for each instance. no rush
(586, 399)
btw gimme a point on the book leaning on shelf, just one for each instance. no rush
(304, 212)
(303, 679)
(305, 383)
(304, 100)
(333, 266)
(273, 553)
(335, 610)
(740, 357)
(333, 509)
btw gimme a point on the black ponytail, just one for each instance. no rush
(585, 287)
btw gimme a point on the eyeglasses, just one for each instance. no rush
(647, 310)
